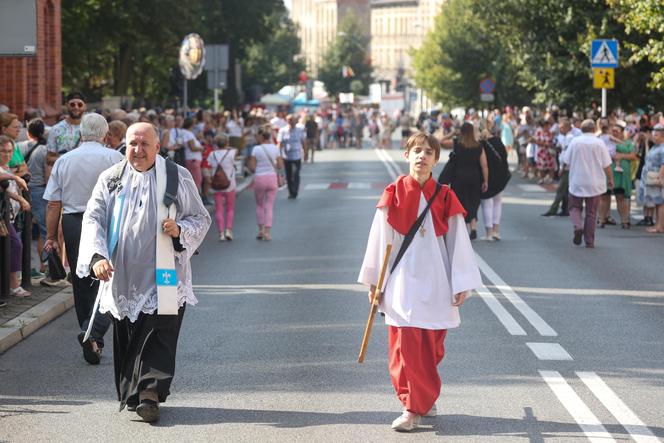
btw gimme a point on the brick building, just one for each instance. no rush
(36, 81)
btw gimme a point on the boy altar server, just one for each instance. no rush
(422, 294)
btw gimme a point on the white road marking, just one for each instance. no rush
(549, 351)
(636, 428)
(590, 425)
(532, 188)
(253, 288)
(389, 163)
(526, 201)
(533, 317)
(591, 292)
(316, 186)
(499, 311)
(359, 185)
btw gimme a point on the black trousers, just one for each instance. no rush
(144, 355)
(85, 289)
(293, 176)
(562, 195)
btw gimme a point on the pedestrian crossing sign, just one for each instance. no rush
(604, 78)
(604, 54)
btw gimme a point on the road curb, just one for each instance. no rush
(18, 328)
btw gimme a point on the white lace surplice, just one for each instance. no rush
(133, 289)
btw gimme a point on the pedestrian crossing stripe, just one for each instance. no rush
(604, 54)
(344, 185)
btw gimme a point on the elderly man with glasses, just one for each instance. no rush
(68, 190)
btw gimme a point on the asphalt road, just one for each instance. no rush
(269, 353)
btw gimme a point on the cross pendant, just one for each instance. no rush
(422, 231)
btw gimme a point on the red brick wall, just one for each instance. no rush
(36, 82)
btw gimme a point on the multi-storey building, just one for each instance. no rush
(318, 22)
(395, 27)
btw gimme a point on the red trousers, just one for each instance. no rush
(414, 355)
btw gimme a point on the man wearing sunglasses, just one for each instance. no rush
(62, 138)
(66, 135)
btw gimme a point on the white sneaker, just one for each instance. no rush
(487, 238)
(496, 236)
(229, 234)
(222, 237)
(406, 422)
(432, 412)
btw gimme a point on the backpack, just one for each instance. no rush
(177, 155)
(220, 180)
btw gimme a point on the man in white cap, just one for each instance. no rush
(68, 190)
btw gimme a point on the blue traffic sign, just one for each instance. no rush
(487, 86)
(604, 54)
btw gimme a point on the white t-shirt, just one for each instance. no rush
(228, 165)
(587, 158)
(610, 144)
(234, 130)
(278, 123)
(181, 137)
(263, 165)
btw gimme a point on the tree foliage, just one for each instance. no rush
(125, 47)
(644, 18)
(350, 49)
(537, 51)
(273, 64)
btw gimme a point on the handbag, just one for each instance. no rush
(281, 180)
(447, 173)
(652, 179)
(499, 172)
(220, 180)
(56, 271)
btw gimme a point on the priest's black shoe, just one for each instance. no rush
(148, 410)
(548, 214)
(90, 354)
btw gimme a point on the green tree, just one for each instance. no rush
(459, 53)
(272, 64)
(644, 18)
(537, 50)
(133, 48)
(240, 23)
(349, 49)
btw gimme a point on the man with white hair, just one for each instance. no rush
(73, 177)
(589, 173)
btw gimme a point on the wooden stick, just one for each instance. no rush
(374, 304)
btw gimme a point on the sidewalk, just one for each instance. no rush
(24, 315)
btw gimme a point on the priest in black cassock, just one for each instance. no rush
(140, 250)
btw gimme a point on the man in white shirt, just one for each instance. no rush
(292, 141)
(589, 168)
(68, 190)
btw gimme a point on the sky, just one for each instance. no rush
(288, 4)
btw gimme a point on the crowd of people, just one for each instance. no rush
(273, 146)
